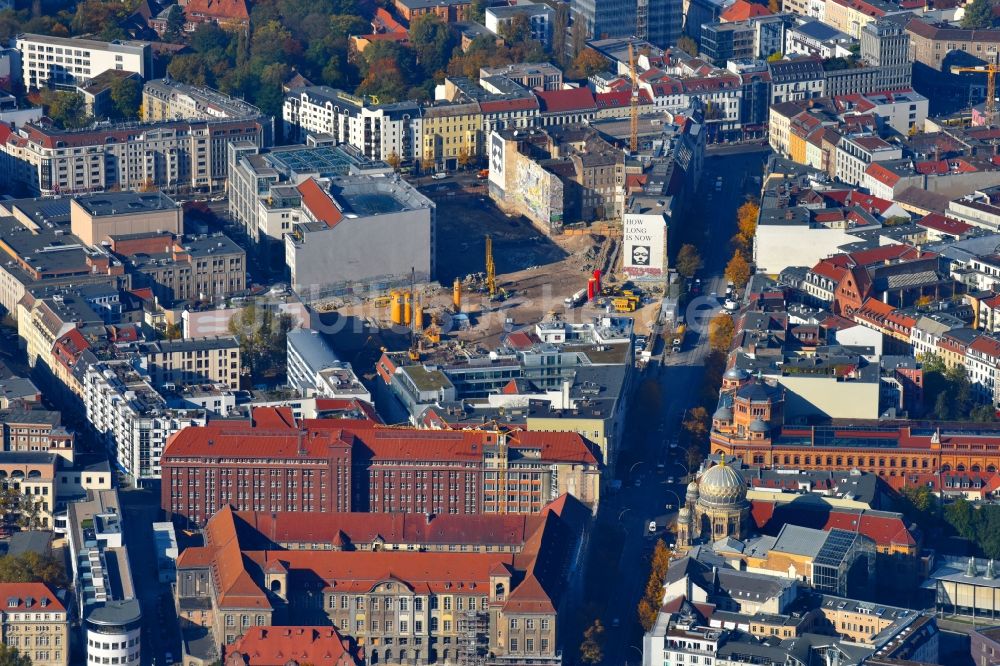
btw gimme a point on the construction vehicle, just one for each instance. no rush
(576, 299)
(990, 70)
(626, 302)
(483, 174)
(382, 301)
(491, 270)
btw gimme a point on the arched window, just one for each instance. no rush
(276, 586)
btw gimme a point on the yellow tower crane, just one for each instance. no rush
(491, 269)
(633, 142)
(991, 85)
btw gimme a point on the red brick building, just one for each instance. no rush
(275, 463)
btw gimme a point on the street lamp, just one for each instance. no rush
(639, 651)
(634, 465)
(679, 502)
(624, 511)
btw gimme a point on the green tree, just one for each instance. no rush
(175, 24)
(126, 94)
(592, 647)
(32, 567)
(978, 15)
(66, 109)
(433, 42)
(960, 515)
(11, 657)
(190, 68)
(516, 30)
(688, 260)
(477, 11)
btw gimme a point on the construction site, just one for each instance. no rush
(496, 274)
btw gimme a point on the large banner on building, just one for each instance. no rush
(645, 245)
(497, 158)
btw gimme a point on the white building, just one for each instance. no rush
(315, 370)
(854, 154)
(539, 16)
(902, 110)
(982, 362)
(46, 59)
(131, 418)
(379, 131)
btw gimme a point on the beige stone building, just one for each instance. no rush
(193, 361)
(96, 218)
(35, 622)
(929, 43)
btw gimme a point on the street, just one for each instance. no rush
(646, 489)
(160, 636)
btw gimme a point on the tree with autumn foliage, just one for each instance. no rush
(651, 601)
(697, 423)
(720, 332)
(588, 63)
(746, 217)
(592, 647)
(738, 270)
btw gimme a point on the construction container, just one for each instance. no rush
(396, 310)
(597, 276)
(456, 295)
(418, 316)
(407, 308)
(592, 289)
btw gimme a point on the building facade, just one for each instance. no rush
(61, 60)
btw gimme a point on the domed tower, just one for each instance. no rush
(722, 509)
(734, 378)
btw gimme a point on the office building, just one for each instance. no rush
(173, 155)
(275, 463)
(62, 60)
(358, 232)
(314, 370)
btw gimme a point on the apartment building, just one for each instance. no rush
(167, 99)
(930, 43)
(452, 134)
(275, 463)
(193, 361)
(36, 430)
(183, 268)
(854, 154)
(130, 417)
(35, 623)
(378, 131)
(173, 155)
(61, 60)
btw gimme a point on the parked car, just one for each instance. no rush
(440, 175)
(652, 526)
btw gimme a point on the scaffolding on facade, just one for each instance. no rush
(473, 638)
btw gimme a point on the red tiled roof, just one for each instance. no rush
(275, 434)
(232, 10)
(319, 203)
(944, 224)
(503, 105)
(882, 175)
(828, 269)
(570, 99)
(620, 99)
(277, 646)
(741, 10)
(30, 596)
(986, 346)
